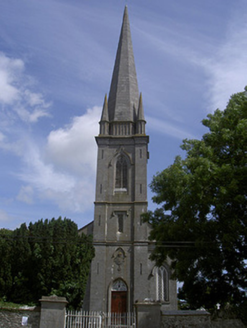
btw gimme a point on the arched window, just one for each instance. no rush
(121, 173)
(119, 285)
(162, 284)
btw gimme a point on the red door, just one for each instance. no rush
(119, 307)
(119, 302)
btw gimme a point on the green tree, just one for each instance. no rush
(60, 260)
(47, 257)
(5, 267)
(20, 258)
(201, 221)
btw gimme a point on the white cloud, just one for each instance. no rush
(2, 137)
(30, 116)
(43, 176)
(17, 94)
(163, 127)
(228, 69)
(4, 217)
(64, 173)
(10, 71)
(78, 198)
(13, 142)
(35, 99)
(26, 194)
(221, 60)
(74, 147)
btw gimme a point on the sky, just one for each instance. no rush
(56, 63)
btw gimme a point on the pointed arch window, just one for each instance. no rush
(121, 173)
(162, 284)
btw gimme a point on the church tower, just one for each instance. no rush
(121, 272)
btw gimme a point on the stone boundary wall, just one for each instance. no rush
(185, 319)
(12, 318)
(196, 319)
(227, 323)
(148, 315)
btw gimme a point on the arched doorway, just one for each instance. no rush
(119, 296)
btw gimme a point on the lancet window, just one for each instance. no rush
(120, 216)
(121, 173)
(120, 222)
(162, 286)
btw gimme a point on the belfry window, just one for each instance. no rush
(121, 173)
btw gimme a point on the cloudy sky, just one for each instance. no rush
(56, 62)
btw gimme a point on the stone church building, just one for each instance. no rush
(121, 271)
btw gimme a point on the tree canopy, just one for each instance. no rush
(201, 221)
(47, 257)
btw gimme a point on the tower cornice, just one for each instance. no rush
(120, 203)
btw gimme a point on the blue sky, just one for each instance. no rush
(56, 62)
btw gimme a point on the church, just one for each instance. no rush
(121, 271)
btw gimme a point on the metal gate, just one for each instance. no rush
(80, 319)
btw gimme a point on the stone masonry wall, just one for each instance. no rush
(227, 323)
(185, 319)
(12, 318)
(196, 319)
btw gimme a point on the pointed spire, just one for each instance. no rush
(140, 124)
(124, 94)
(140, 116)
(104, 122)
(105, 116)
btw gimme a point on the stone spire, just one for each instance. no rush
(123, 97)
(140, 116)
(104, 122)
(140, 122)
(104, 117)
